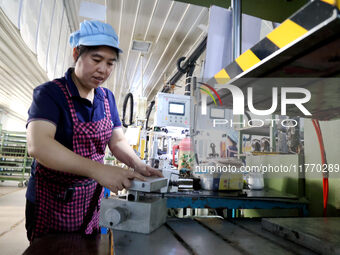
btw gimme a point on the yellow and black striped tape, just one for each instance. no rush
(311, 15)
(335, 3)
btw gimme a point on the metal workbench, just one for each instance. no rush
(177, 236)
(230, 200)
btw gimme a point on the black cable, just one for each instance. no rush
(179, 68)
(148, 112)
(131, 109)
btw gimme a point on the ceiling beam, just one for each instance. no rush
(273, 10)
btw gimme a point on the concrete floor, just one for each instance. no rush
(12, 219)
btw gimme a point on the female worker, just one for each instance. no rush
(71, 120)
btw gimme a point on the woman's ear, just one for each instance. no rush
(75, 54)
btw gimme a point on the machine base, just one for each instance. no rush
(143, 216)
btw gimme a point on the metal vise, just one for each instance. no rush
(134, 212)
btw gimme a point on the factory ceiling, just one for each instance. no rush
(34, 41)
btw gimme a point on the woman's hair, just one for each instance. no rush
(82, 49)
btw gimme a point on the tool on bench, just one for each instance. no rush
(135, 212)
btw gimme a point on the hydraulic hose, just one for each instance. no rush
(126, 100)
(325, 186)
(148, 112)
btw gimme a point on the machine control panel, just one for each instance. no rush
(172, 110)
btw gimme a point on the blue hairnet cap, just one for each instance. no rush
(95, 33)
(233, 135)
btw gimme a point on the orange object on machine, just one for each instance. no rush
(223, 149)
(325, 186)
(184, 154)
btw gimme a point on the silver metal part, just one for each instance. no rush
(171, 176)
(184, 183)
(132, 195)
(116, 215)
(150, 185)
(144, 216)
(136, 213)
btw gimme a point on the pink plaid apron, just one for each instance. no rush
(67, 202)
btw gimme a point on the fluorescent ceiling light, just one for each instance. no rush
(141, 46)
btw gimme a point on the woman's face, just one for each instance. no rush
(94, 67)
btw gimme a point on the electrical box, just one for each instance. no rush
(172, 110)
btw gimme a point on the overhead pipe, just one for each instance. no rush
(236, 41)
(236, 45)
(236, 28)
(187, 67)
(189, 70)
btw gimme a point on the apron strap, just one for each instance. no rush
(64, 89)
(92, 207)
(106, 105)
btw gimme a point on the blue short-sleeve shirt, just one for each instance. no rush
(50, 104)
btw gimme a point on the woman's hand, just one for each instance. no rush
(116, 178)
(147, 170)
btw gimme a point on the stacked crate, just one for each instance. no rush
(14, 160)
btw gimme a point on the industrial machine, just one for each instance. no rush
(161, 157)
(171, 124)
(135, 212)
(172, 110)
